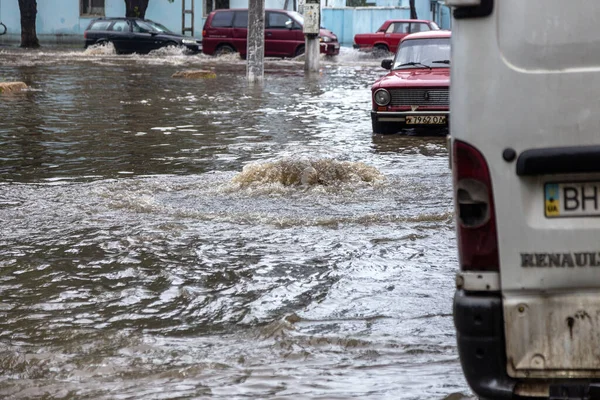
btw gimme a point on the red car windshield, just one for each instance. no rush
(423, 53)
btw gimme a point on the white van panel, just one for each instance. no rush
(553, 337)
(541, 36)
(520, 110)
(537, 85)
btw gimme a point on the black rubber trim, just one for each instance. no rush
(480, 337)
(575, 391)
(483, 10)
(559, 160)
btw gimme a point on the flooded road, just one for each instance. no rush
(166, 238)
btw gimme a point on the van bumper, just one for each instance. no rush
(479, 326)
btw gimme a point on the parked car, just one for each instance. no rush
(526, 185)
(389, 35)
(225, 31)
(414, 94)
(136, 35)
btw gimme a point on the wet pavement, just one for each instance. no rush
(166, 238)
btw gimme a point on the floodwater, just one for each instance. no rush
(167, 238)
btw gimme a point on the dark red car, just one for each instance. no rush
(226, 31)
(387, 37)
(414, 94)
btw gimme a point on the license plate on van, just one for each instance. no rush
(425, 119)
(572, 199)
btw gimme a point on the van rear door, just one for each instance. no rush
(217, 30)
(534, 94)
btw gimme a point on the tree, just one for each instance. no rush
(28, 9)
(137, 8)
(413, 10)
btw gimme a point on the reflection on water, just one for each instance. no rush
(171, 238)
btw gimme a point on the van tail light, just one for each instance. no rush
(475, 214)
(204, 32)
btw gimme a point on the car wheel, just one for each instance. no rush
(383, 128)
(171, 44)
(299, 50)
(224, 49)
(380, 50)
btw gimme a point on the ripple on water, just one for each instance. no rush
(139, 258)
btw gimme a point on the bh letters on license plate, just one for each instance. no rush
(425, 119)
(574, 199)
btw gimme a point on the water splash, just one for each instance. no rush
(100, 49)
(291, 171)
(170, 51)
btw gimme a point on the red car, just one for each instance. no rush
(387, 37)
(226, 31)
(414, 94)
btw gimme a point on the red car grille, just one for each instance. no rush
(419, 97)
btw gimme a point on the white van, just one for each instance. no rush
(525, 156)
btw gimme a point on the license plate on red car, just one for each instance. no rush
(425, 119)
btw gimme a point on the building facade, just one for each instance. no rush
(64, 21)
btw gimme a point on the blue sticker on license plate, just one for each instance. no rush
(572, 199)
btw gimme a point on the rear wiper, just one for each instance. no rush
(441, 62)
(414, 64)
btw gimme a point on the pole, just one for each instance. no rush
(313, 53)
(256, 41)
(312, 28)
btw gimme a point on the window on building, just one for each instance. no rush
(91, 7)
(212, 5)
(356, 3)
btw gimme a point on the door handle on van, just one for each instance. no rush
(559, 160)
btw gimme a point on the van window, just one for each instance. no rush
(222, 19)
(241, 19)
(279, 21)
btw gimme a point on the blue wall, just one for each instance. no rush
(59, 20)
(346, 22)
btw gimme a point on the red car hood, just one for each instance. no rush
(326, 32)
(414, 78)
